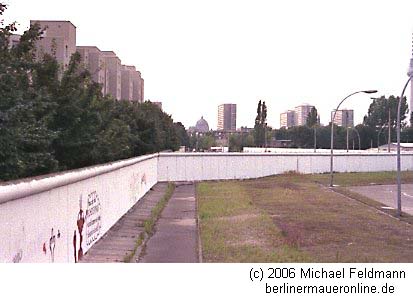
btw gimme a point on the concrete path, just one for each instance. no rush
(120, 240)
(176, 233)
(387, 194)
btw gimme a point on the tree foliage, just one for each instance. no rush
(260, 124)
(51, 121)
(312, 119)
(378, 113)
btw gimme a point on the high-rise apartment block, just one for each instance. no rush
(344, 118)
(287, 119)
(227, 117)
(58, 40)
(132, 84)
(301, 114)
(127, 83)
(14, 40)
(114, 66)
(94, 61)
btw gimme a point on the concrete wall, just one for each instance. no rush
(56, 218)
(214, 166)
(45, 219)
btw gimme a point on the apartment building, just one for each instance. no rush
(227, 117)
(344, 118)
(287, 119)
(14, 40)
(114, 74)
(127, 74)
(58, 40)
(301, 114)
(94, 60)
(141, 88)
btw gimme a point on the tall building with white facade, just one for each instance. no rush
(287, 119)
(227, 117)
(344, 118)
(58, 39)
(301, 114)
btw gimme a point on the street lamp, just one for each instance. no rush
(332, 130)
(399, 181)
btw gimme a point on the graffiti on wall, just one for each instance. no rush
(138, 181)
(90, 221)
(93, 218)
(51, 244)
(80, 221)
(18, 256)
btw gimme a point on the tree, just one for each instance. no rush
(182, 134)
(49, 124)
(378, 113)
(260, 124)
(25, 108)
(312, 119)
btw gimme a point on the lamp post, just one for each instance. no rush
(399, 181)
(315, 139)
(332, 130)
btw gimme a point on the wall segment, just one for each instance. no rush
(58, 217)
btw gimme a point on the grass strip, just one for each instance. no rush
(149, 225)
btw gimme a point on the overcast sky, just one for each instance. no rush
(195, 55)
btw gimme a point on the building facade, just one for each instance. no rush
(58, 40)
(132, 81)
(287, 119)
(301, 114)
(94, 61)
(114, 74)
(14, 40)
(227, 117)
(344, 118)
(127, 82)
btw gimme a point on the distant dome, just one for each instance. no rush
(202, 125)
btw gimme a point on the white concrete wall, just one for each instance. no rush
(215, 166)
(39, 216)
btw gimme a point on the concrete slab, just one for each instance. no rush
(387, 194)
(121, 239)
(176, 233)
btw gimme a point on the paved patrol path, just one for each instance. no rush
(176, 234)
(120, 240)
(387, 194)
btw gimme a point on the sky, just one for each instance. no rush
(195, 55)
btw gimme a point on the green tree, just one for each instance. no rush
(378, 113)
(25, 108)
(312, 119)
(260, 124)
(182, 134)
(52, 121)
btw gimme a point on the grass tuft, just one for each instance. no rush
(149, 224)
